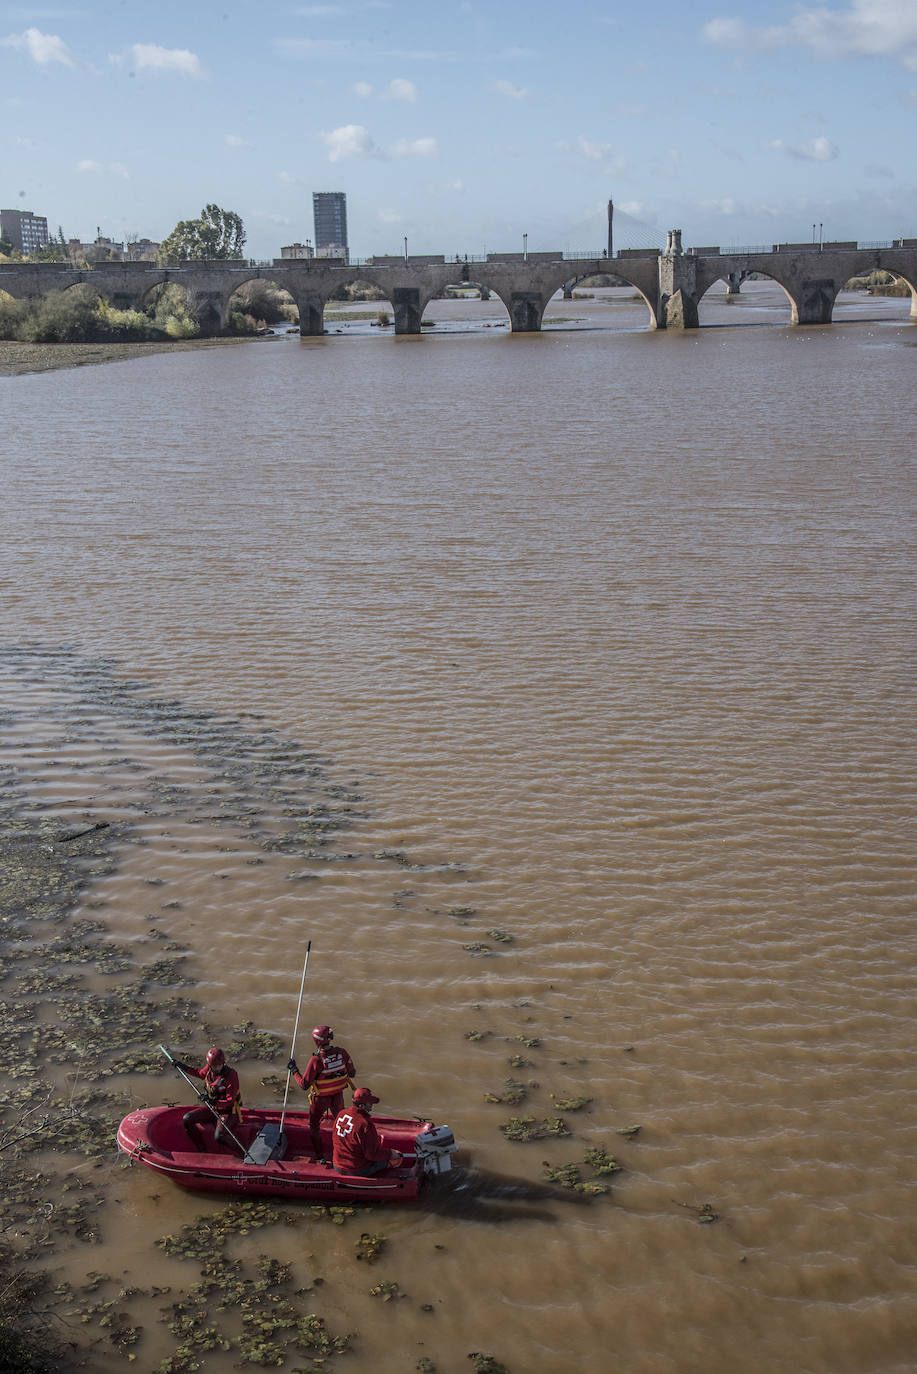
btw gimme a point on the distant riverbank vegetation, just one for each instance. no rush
(879, 283)
(80, 315)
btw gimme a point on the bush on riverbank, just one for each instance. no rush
(80, 316)
(258, 304)
(879, 283)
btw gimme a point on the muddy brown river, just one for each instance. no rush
(560, 690)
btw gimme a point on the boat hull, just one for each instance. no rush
(156, 1138)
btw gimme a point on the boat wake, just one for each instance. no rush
(478, 1195)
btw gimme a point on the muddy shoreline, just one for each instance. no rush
(16, 359)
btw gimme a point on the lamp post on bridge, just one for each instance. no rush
(405, 247)
(525, 247)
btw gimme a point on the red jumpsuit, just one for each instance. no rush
(222, 1087)
(327, 1074)
(358, 1146)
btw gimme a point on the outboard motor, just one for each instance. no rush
(434, 1150)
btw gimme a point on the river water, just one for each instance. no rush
(603, 642)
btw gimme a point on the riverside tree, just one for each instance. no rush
(217, 233)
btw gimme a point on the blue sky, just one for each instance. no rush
(463, 126)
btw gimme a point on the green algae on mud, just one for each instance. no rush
(79, 1009)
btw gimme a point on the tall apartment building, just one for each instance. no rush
(329, 211)
(24, 230)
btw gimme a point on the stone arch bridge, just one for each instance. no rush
(671, 283)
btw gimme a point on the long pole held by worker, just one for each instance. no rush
(295, 1030)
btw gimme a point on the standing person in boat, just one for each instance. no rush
(358, 1146)
(327, 1073)
(221, 1091)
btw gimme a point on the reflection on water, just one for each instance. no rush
(599, 642)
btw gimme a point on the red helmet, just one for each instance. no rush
(215, 1058)
(363, 1097)
(322, 1034)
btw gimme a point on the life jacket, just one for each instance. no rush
(218, 1086)
(333, 1076)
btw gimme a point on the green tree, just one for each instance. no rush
(216, 233)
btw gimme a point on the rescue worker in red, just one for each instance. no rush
(221, 1091)
(327, 1073)
(358, 1146)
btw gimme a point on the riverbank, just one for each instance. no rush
(19, 358)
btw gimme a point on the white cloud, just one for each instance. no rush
(363, 89)
(400, 89)
(41, 47)
(867, 28)
(595, 152)
(116, 169)
(350, 140)
(149, 56)
(815, 150)
(507, 88)
(416, 147)
(233, 141)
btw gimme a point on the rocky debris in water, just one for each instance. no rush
(486, 1364)
(387, 1290)
(570, 1104)
(531, 1042)
(478, 948)
(568, 1176)
(250, 1043)
(518, 1061)
(601, 1161)
(501, 936)
(526, 1128)
(461, 913)
(705, 1214)
(629, 1132)
(477, 1034)
(514, 1093)
(370, 1247)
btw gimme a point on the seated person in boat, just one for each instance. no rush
(327, 1073)
(222, 1093)
(358, 1146)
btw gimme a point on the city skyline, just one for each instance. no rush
(462, 131)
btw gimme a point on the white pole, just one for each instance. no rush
(295, 1029)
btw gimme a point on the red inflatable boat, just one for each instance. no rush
(283, 1165)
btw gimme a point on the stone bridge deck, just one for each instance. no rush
(671, 283)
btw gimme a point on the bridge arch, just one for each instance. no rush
(786, 316)
(618, 270)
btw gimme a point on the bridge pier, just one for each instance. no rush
(815, 301)
(677, 307)
(311, 309)
(408, 309)
(733, 282)
(526, 310)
